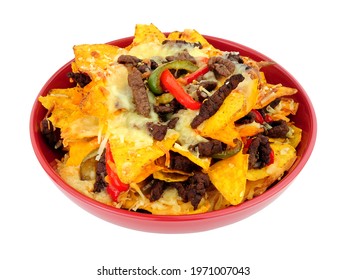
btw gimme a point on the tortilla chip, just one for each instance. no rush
(135, 164)
(229, 177)
(80, 149)
(249, 89)
(269, 93)
(95, 59)
(250, 129)
(237, 104)
(255, 188)
(147, 33)
(68, 116)
(170, 176)
(287, 106)
(221, 123)
(203, 162)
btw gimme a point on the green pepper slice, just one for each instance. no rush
(229, 152)
(154, 78)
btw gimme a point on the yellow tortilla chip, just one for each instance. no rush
(135, 164)
(147, 33)
(221, 123)
(68, 116)
(204, 162)
(94, 59)
(170, 176)
(229, 177)
(250, 129)
(249, 89)
(269, 93)
(255, 188)
(65, 105)
(80, 149)
(238, 104)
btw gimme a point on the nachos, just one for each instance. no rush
(170, 125)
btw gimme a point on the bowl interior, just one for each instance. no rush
(305, 119)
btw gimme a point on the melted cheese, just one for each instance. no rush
(134, 125)
(149, 50)
(120, 96)
(188, 136)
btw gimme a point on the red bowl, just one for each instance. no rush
(305, 119)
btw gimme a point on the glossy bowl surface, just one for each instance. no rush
(305, 119)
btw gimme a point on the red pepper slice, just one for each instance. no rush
(258, 117)
(268, 118)
(194, 75)
(115, 186)
(272, 157)
(172, 85)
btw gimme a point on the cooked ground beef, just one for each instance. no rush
(259, 152)
(139, 91)
(184, 55)
(171, 107)
(279, 129)
(234, 56)
(100, 182)
(193, 189)
(207, 149)
(172, 123)
(209, 85)
(212, 104)
(165, 111)
(182, 163)
(80, 78)
(274, 103)
(182, 43)
(157, 189)
(158, 131)
(249, 118)
(128, 59)
(51, 134)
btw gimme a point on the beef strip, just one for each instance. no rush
(212, 104)
(259, 152)
(139, 91)
(279, 129)
(221, 66)
(158, 131)
(81, 79)
(101, 173)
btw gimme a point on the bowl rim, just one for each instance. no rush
(271, 192)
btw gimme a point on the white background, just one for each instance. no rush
(302, 235)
